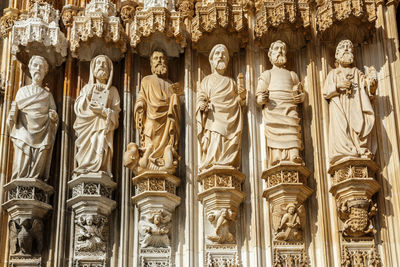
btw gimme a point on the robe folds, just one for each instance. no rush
(34, 132)
(95, 132)
(282, 123)
(160, 117)
(351, 116)
(219, 129)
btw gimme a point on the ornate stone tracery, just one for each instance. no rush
(338, 19)
(97, 31)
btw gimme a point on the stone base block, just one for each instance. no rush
(156, 190)
(359, 252)
(92, 193)
(222, 255)
(155, 257)
(221, 188)
(25, 260)
(290, 254)
(90, 262)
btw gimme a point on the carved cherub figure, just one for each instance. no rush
(222, 220)
(154, 229)
(290, 227)
(90, 233)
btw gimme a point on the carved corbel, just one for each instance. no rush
(68, 14)
(7, 21)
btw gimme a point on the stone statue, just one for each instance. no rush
(157, 115)
(222, 219)
(26, 237)
(97, 108)
(90, 233)
(279, 92)
(33, 123)
(290, 227)
(219, 114)
(154, 229)
(351, 116)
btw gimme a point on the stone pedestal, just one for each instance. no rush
(27, 205)
(92, 204)
(221, 195)
(38, 33)
(353, 186)
(286, 192)
(156, 200)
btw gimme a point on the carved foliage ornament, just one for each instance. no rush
(331, 11)
(7, 21)
(157, 19)
(99, 21)
(209, 17)
(278, 14)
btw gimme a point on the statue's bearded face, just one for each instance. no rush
(220, 59)
(38, 69)
(344, 53)
(158, 63)
(101, 69)
(277, 54)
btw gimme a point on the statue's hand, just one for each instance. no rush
(204, 106)
(96, 108)
(263, 97)
(299, 98)
(343, 84)
(139, 107)
(53, 115)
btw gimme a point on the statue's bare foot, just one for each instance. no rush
(297, 159)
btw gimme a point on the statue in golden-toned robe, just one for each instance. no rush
(219, 114)
(157, 116)
(279, 92)
(97, 109)
(351, 115)
(33, 122)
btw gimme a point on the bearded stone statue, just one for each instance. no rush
(157, 116)
(33, 122)
(219, 114)
(351, 115)
(279, 92)
(97, 108)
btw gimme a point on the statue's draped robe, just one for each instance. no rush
(220, 129)
(95, 132)
(351, 117)
(34, 132)
(161, 116)
(282, 123)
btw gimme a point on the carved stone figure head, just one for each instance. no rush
(219, 58)
(277, 53)
(101, 70)
(38, 68)
(291, 208)
(344, 53)
(158, 63)
(131, 156)
(89, 220)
